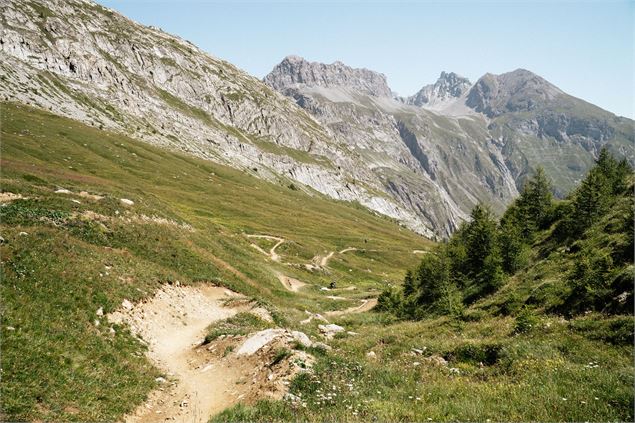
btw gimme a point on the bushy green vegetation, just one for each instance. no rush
(593, 226)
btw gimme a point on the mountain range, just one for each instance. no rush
(327, 129)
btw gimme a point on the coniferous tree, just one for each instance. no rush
(531, 210)
(408, 284)
(433, 276)
(480, 239)
(512, 246)
(591, 199)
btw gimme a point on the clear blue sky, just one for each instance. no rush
(586, 48)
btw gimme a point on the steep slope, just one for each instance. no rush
(536, 124)
(72, 251)
(448, 87)
(480, 140)
(440, 165)
(89, 63)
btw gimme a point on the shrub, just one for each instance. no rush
(525, 321)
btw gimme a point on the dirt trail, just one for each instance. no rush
(289, 283)
(366, 305)
(173, 323)
(325, 260)
(272, 252)
(7, 197)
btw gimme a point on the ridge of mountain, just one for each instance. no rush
(448, 86)
(513, 123)
(81, 60)
(295, 70)
(327, 129)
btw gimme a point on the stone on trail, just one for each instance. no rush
(126, 202)
(302, 338)
(330, 330)
(259, 340)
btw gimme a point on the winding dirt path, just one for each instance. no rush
(291, 284)
(325, 260)
(366, 305)
(173, 323)
(272, 252)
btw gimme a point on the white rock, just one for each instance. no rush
(160, 380)
(62, 191)
(322, 345)
(100, 311)
(330, 330)
(302, 338)
(371, 354)
(127, 305)
(126, 202)
(258, 340)
(23, 234)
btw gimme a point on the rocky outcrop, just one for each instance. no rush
(294, 71)
(329, 128)
(464, 144)
(515, 91)
(449, 86)
(87, 62)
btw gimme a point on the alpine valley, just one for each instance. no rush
(182, 241)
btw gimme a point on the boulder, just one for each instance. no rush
(258, 340)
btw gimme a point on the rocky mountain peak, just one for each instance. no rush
(519, 90)
(294, 71)
(449, 85)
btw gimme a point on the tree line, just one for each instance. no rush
(479, 257)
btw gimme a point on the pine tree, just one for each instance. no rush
(615, 172)
(408, 284)
(512, 246)
(533, 207)
(591, 199)
(432, 277)
(480, 239)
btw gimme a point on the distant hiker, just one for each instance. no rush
(332, 285)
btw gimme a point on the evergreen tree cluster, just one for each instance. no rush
(476, 261)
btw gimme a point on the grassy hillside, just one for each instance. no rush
(547, 336)
(513, 354)
(65, 255)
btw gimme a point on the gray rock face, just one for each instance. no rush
(87, 62)
(328, 128)
(465, 144)
(515, 91)
(449, 86)
(439, 167)
(294, 71)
